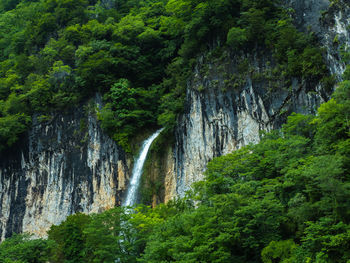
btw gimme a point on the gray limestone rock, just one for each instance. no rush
(218, 119)
(60, 168)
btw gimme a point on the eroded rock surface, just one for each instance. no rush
(62, 167)
(220, 118)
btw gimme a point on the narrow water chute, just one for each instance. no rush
(132, 193)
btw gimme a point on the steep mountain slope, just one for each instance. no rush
(69, 165)
(219, 119)
(60, 168)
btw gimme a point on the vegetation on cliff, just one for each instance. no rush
(282, 200)
(55, 53)
(285, 199)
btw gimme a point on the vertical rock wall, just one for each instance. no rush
(335, 35)
(220, 118)
(330, 21)
(62, 167)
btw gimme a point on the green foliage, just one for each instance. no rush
(284, 199)
(327, 239)
(54, 53)
(24, 249)
(69, 239)
(11, 127)
(278, 250)
(236, 37)
(109, 237)
(128, 109)
(312, 63)
(257, 199)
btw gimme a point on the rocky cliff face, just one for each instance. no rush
(335, 34)
(330, 21)
(62, 167)
(221, 117)
(158, 181)
(227, 108)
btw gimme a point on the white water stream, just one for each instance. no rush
(131, 197)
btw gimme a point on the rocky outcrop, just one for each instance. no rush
(224, 113)
(226, 109)
(335, 35)
(307, 13)
(330, 21)
(158, 182)
(62, 167)
(169, 179)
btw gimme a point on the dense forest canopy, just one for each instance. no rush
(139, 54)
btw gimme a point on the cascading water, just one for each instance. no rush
(137, 170)
(131, 197)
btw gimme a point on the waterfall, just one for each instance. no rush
(134, 185)
(137, 170)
